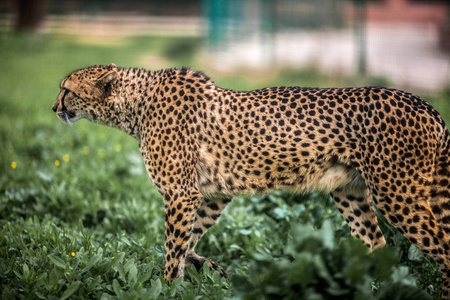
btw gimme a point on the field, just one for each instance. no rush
(80, 219)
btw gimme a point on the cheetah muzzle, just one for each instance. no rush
(203, 144)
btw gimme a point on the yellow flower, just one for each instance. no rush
(66, 158)
(85, 150)
(112, 257)
(73, 254)
(13, 165)
(57, 163)
(118, 148)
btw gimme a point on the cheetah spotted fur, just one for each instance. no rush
(203, 144)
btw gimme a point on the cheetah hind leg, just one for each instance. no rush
(440, 187)
(420, 227)
(440, 204)
(356, 208)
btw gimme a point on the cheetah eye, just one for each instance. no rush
(66, 91)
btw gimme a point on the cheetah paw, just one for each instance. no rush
(198, 261)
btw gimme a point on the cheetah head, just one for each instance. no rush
(85, 93)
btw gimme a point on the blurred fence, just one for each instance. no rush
(115, 24)
(397, 39)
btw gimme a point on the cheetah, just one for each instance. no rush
(203, 144)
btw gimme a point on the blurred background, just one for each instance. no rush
(405, 42)
(72, 197)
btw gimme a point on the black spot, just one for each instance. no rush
(364, 208)
(179, 217)
(405, 211)
(393, 219)
(174, 272)
(197, 230)
(213, 206)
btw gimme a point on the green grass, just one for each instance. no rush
(80, 219)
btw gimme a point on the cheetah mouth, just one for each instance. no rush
(67, 116)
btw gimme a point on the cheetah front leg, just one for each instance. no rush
(180, 209)
(207, 215)
(175, 177)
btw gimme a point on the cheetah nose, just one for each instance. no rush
(54, 108)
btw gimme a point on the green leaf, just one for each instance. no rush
(194, 276)
(70, 290)
(41, 278)
(356, 269)
(39, 295)
(146, 273)
(245, 231)
(94, 259)
(52, 283)
(323, 271)
(415, 254)
(303, 270)
(175, 286)
(155, 289)
(117, 288)
(401, 275)
(94, 284)
(398, 291)
(132, 274)
(241, 283)
(57, 261)
(121, 271)
(26, 271)
(280, 213)
(118, 258)
(45, 176)
(328, 234)
(128, 265)
(389, 256)
(105, 296)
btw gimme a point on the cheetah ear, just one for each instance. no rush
(112, 65)
(107, 81)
